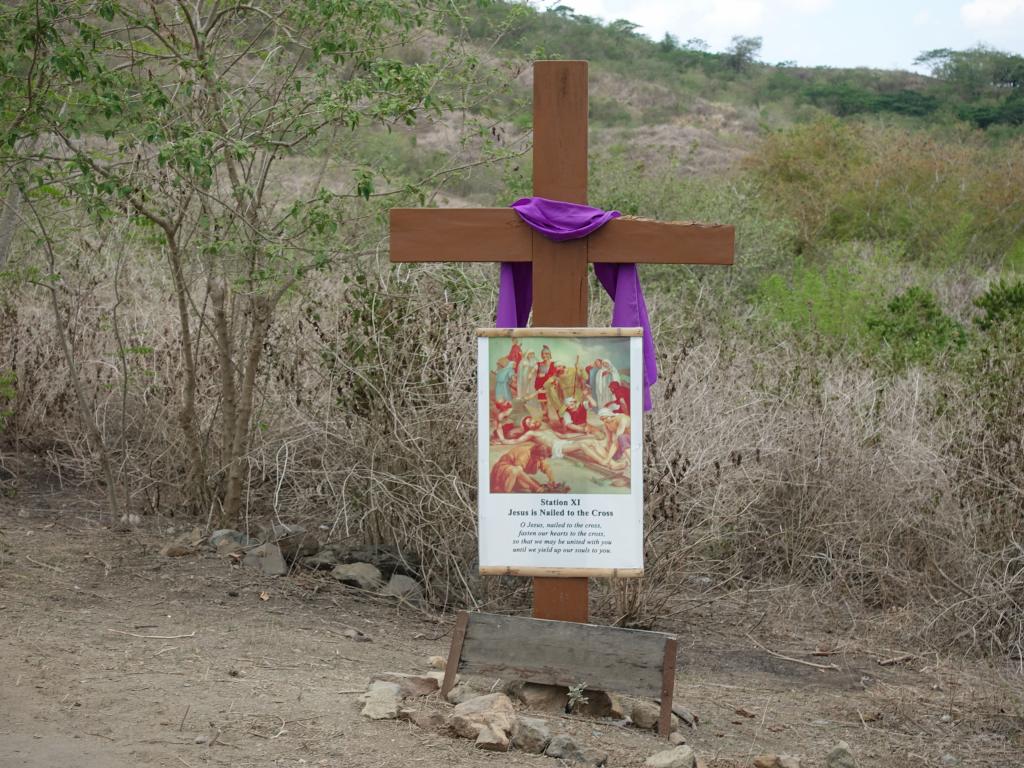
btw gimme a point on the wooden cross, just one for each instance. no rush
(560, 270)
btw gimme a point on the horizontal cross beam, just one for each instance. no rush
(498, 234)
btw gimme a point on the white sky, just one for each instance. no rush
(884, 34)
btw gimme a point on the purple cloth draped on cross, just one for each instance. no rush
(567, 221)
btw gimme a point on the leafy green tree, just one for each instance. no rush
(623, 27)
(743, 52)
(976, 70)
(181, 118)
(669, 42)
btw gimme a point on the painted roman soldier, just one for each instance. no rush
(545, 370)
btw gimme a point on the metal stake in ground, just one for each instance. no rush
(560, 279)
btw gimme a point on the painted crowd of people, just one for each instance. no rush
(579, 412)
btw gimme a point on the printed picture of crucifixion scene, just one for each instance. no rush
(560, 415)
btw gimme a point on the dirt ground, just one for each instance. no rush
(113, 656)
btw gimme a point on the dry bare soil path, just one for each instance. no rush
(112, 656)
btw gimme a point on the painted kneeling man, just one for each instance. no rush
(514, 471)
(574, 418)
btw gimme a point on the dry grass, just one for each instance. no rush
(765, 463)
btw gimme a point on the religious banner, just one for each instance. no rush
(560, 451)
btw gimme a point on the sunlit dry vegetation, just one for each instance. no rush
(198, 314)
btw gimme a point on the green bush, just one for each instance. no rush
(947, 199)
(1001, 304)
(833, 302)
(912, 329)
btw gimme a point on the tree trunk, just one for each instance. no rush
(262, 313)
(225, 356)
(197, 489)
(9, 221)
(86, 415)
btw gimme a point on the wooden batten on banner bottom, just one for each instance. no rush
(565, 573)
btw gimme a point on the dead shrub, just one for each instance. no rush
(767, 462)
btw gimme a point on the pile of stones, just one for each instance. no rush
(497, 722)
(278, 549)
(492, 721)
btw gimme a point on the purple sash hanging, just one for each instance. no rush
(568, 221)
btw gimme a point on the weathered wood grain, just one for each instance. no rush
(566, 653)
(459, 234)
(561, 280)
(668, 683)
(458, 637)
(644, 241)
(498, 234)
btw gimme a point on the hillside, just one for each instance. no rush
(980, 86)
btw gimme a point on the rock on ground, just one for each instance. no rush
(540, 697)
(404, 588)
(228, 540)
(531, 734)
(646, 714)
(387, 559)
(565, 748)
(688, 717)
(428, 721)
(618, 708)
(361, 575)
(492, 739)
(462, 693)
(294, 540)
(267, 559)
(677, 757)
(776, 761)
(437, 662)
(493, 712)
(410, 685)
(840, 757)
(555, 698)
(324, 560)
(382, 700)
(676, 738)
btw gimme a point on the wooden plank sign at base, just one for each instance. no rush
(565, 653)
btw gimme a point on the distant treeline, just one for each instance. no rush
(981, 85)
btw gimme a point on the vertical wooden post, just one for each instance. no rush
(668, 684)
(454, 653)
(560, 276)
